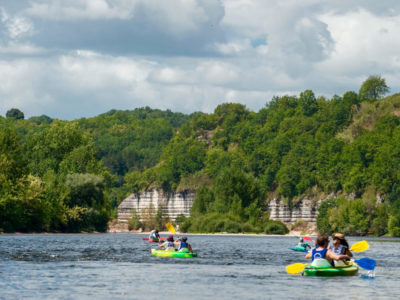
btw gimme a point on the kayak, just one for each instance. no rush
(163, 253)
(152, 241)
(299, 248)
(155, 241)
(350, 269)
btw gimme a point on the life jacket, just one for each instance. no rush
(318, 253)
(183, 245)
(338, 250)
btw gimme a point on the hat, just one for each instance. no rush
(170, 238)
(339, 236)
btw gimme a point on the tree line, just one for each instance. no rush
(72, 175)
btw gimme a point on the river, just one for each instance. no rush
(119, 266)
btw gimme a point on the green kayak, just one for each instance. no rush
(349, 270)
(163, 253)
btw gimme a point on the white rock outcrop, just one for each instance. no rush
(304, 209)
(173, 204)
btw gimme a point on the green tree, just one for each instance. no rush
(15, 113)
(373, 88)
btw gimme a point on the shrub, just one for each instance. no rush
(247, 227)
(275, 227)
(232, 227)
(134, 222)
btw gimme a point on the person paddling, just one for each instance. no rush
(340, 245)
(154, 235)
(302, 244)
(168, 245)
(322, 251)
(183, 245)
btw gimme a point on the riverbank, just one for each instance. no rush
(295, 231)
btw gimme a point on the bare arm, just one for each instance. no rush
(348, 253)
(309, 255)
(337, 256)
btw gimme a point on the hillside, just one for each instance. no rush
(70, 175)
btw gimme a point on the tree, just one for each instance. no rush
(15, 113)
(373, 88)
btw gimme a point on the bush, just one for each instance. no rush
(275, 227)
(134, 222)
(232, 227)
(247, 227)
(184, 227)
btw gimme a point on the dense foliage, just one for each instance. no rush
(70, 176)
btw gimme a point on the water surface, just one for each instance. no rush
(119, 266)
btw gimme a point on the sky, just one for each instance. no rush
(79, 58)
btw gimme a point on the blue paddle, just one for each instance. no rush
(366, 263)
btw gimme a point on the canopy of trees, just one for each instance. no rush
(70, 176)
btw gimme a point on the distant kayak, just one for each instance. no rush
(163, 253)
(299, 248)
(151, 240)
(349, 270)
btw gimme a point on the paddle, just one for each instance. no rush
(307, 238)
(295, 268)
(360, 246)
(366, 263)
(170, 228)
(145, 238)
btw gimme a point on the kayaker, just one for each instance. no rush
(183, 245)
(168, 245)
(303, 244)
(154, 235)
(340, 245)
(323, 252)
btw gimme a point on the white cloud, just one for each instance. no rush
(81, 9)
(16, 27)
(79, 58)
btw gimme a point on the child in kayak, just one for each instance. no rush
(322, 251)
(168, 245)
(154, 235)
(183, 245)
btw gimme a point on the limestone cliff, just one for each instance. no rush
(173, 204)
(304, 209)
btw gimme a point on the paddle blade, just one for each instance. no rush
(170, 228)
(308, 238)
(145, 238)
(366, 263)
(360, 246)
(295, 268)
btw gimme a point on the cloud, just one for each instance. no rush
(77, 58)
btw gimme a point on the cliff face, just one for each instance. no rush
(173, 204)
(305, 210)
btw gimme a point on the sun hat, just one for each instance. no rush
(339, 236)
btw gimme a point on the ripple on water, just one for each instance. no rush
(120, 266)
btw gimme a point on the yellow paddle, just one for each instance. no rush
(295, 268)
(360, 246)
(170, 228)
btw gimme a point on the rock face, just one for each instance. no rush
(173, 204)
(305, 210)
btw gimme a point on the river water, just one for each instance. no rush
(120, 266)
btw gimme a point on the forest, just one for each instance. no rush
(70, 176)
